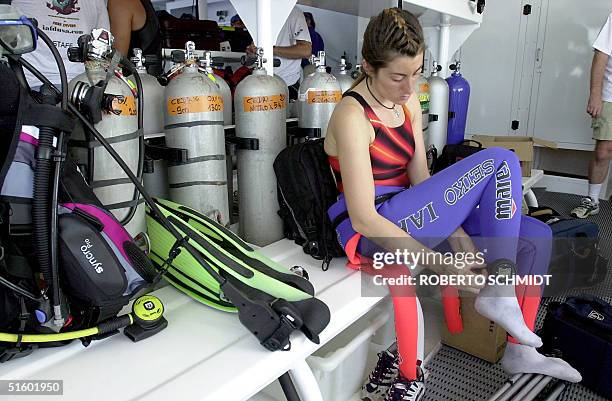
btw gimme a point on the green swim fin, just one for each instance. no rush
(254, 275)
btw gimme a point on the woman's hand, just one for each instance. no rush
(469, 264)
(460, 242)
(463, 269)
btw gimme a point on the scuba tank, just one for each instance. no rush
(260, 102)
(153, 96)
(155, 177)
(458, 101)
(319, 93)
(251, 60)
(226, 94)
(194, 121)
(310, 67)
(155, 174)
(423, 94)
(118, 123)
(343, 76)
(224, 88)
(438, 110)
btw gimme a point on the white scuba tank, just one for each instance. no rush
(156, 181)
(260, 102)
(194, 121)
(343, 76)
(423, 94)
(438, 110)
(120, 127)
(153, 96)
(318, 95)
(310, 67)
(224, 88)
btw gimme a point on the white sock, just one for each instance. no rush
(594, 191)
(520, 358)
(499, 304)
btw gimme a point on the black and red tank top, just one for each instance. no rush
(149, 39)
(391, 151)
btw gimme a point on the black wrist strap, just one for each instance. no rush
(502, 267)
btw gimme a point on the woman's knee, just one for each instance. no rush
(535, 246)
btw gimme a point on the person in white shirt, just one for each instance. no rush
(600, 108)
(63, 21)
(292, 45)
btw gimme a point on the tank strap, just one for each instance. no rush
(121, 205)
(115, 139)
(108, 183)
(193, 124)
(197, 183)
(199, 159)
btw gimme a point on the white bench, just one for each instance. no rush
(528, 183)
(203, 354)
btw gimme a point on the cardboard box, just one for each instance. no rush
(480, 337)
(521, 145)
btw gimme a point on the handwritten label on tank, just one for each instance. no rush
(263, 103)
(124, 106)
(324, 96)
(194, 104)
(424, 97)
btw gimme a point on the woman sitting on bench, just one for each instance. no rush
(375, 146)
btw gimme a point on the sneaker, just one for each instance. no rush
(381, 378)
(407, 390)
(587, 208)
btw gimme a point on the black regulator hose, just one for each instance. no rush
(129, 66)
(47, 231)
(40, 204)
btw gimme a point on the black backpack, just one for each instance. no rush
(451, 154)
(306, 189)
(579, 330)
(575, 260)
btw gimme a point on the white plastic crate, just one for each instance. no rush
(340, 365)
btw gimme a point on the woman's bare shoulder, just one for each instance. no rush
(347, 121)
